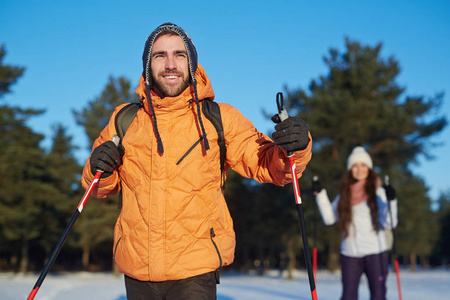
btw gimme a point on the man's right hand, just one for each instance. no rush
(106, 157)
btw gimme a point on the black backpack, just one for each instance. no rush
(210, 109)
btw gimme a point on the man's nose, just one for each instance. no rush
(170, 63)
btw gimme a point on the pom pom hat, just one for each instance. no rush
(359, 155)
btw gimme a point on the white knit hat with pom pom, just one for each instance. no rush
(359, 155)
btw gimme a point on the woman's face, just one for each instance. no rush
(360, 171)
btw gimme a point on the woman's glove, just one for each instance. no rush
(106, 157)
(316, 186)
(390, 192)
(291, 134)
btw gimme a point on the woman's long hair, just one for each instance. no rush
(344, 207)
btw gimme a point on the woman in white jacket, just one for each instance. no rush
(362, 214)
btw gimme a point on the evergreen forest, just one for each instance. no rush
(358, 102)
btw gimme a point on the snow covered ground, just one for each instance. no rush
(428, 285)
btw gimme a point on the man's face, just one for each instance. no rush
(170, 67)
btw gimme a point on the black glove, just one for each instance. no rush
(316, 186)
(390, 192)
(291, 134)
(106, 157)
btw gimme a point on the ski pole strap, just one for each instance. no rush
(282, 113)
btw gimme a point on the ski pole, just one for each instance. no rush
(314, 259)
(66, 232)
(314, 263)
(283, 115)
(315, 178)
(394, 251)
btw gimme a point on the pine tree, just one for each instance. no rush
(418, 231)
(359, 103)
(63, 175)
(441, 254)
(96, 115)
(8, 74)
(22, 174)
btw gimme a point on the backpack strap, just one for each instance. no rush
(211, 110)
(124, 118)
(122, 121)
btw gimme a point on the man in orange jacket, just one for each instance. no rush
(174, 231)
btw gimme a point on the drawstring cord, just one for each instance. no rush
(158, 136)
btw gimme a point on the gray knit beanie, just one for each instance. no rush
(193, 63)
(190, 49)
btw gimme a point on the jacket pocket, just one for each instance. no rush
(212, 235)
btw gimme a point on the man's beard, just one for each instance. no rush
(170, 90)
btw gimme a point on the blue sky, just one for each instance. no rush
(249, 49)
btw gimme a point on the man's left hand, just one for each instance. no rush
(291, 134)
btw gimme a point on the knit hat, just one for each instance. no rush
(359, 155)
(193, 62)
(190, 49)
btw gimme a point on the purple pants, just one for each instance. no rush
(376, 269)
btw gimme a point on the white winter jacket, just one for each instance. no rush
(362, 237)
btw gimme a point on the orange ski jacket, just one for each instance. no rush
(174, 222)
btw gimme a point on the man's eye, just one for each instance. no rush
(157, 55)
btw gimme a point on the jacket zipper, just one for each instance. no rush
(189, 151)
(193, 146)
(115, 249)
(212, 235)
